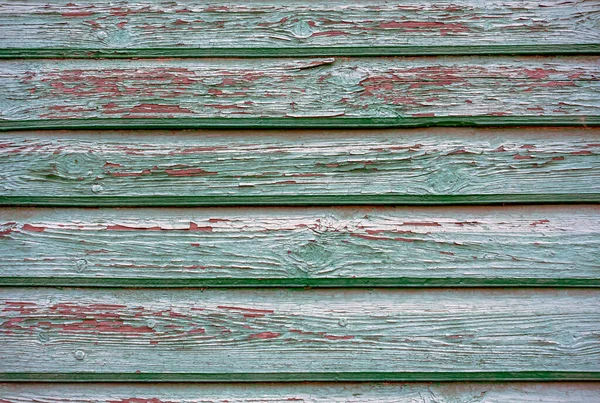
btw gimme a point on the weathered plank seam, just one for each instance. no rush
(304, 200)
(473, 376)
(407, 282)
(358, 51)
(295, 123)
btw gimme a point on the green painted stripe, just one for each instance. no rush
(293, 200)
(302, 377)
(295, 282)
(281, 123)
(358, 51)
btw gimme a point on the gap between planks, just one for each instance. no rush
(297, 123)
(359, 51)
(188, 377)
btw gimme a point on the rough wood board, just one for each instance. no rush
(421, 89)
(275, 335)
(333, 247)
(300, 167)
(293, 28)
(515, 392)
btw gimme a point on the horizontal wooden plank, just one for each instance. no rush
(286, 334)
(293, 28)
(386, 91)
(420, 166)
(331, 247)
(514, 392)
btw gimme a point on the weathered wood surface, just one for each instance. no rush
(259, 28)
(515, 392)
(275, 335)
(394, 91)
(535, 245)
(424, 166)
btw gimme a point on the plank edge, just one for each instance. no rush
(413, 282)
(309, 51)
(302, 377)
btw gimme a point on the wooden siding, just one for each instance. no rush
(401, 253)
(515, 392)
(425, 166)
(292, 28)
(341, 247)
(302, 335)
(384, 91)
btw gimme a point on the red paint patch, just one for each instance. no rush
(94, 326)
(188, 172)
(218, 220)
(195, 227)
(29, 227)
(461, 151)
(216, 8)
(71, 14)
(6, 232)
(330, 33)
(538, 73)
(539, 222)
(265, 335)
(417, 25)
(332, 337)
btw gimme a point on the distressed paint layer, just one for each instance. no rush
(535, 245)
(386, 88)
(283, 25)
(214, 167)
(515, 392)
(312, 335)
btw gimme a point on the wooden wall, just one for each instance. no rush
(264, 201)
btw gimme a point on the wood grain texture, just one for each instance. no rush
(332, 247)
(275, 335)
(421, 166)
(515, 392)
(292, 28)
(400, 90)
